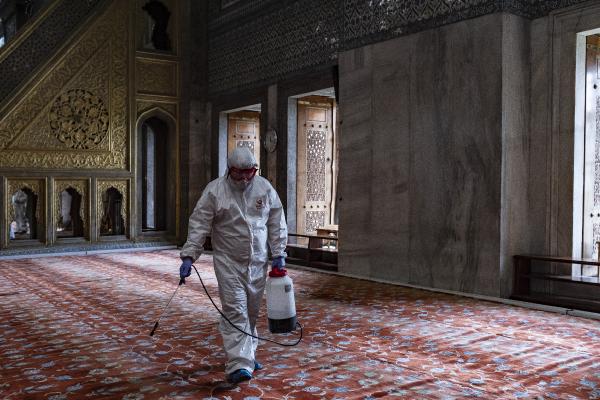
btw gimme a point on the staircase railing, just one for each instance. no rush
(39, 40)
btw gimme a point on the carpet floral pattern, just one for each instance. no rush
(77, 327)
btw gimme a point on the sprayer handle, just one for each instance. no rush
(277, 272)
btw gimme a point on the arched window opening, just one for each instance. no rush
(70, 223)
(112, 222)
(154, 174)
(157, 21)
(24, 222)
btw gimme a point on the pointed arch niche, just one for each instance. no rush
(71, 209)
(156, 173)
(25, 211)
(112, 209)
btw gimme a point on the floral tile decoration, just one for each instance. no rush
(77, 327)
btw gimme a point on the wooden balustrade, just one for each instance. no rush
(576, 292)
(315, 251)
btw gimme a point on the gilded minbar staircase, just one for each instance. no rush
(83, 82)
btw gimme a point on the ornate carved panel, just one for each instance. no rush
(224, 11)
(48, 34)
(122, 187)
(596, 236)
(81, 186)
(156, 77)
(79, 119)
(597, 155)
(143, 106)
(243, 130)
(246, 143)
(61, 122)
(290, 37)
(70, 114)
(365, 22)
(314, 220)
(316, 163)
(14, 185)
(591, 172)
(308, 33)
(593, 270)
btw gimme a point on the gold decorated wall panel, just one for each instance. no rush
(170, 108)
(37, 186)
(76, 114)
(73, 125)
(156, 77)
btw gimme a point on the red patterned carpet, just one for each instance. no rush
(77, 328)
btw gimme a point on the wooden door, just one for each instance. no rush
(314, 164)
(591, 202)
(243, 130)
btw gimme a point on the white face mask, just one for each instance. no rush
(241, 184)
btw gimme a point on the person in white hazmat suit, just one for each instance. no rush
(243, 214)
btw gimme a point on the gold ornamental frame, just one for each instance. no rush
(122, 185)
(37, 186)
(81, 185)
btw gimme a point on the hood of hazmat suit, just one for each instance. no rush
(241, 223)
(241, 167)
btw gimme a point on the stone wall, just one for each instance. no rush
(433, 155)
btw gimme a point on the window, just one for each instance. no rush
(154, 174)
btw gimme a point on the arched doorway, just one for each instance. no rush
(156, 175)
(70, 222)
(112, 222)
(23, 224)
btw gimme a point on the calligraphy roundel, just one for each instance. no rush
(79, 119)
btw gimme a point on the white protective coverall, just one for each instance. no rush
(241, 222)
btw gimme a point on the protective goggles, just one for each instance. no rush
(242, 174)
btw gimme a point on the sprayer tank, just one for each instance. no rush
(281, 306)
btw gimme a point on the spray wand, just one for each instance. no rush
(181, 282)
